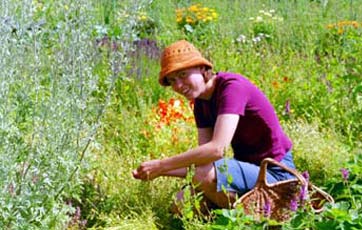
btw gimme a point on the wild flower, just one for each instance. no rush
(264, 24)
(303, 195)
(195, 15)
(76, 222)
(140, 22)
(37, 5)
(147, 47)
(342, 27)
(241, 38)
(142, 16)
(306, 176)
(286, 79)
(345, 174)
(275, 84)
(266, 16)
(261, 36)
(293, 205)
(287, 107)
(257, 39)
(172, 111)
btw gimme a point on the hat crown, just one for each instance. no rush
(180, 55)
(181, 49)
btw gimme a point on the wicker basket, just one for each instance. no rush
(276, 201)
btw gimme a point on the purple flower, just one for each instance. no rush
(303, 195)
(293, 205)
(267, 208)
(305, 174)
(287, 107)
(345, 174)
(83, 223)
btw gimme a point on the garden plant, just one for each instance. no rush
(81, 107)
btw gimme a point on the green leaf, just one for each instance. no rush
(327, 225)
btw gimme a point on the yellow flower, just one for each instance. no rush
(195, 14)
(189, 20)
(179, 11)
(142, 17)
(330, 26)
(355, 24)
(194, 8)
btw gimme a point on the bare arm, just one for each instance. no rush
(210, 151)
(181, 172)
(204, 136)
(205, 153)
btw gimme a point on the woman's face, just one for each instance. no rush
(188, 82)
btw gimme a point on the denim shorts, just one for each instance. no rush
(240, 177)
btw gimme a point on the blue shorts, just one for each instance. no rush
(240, 177)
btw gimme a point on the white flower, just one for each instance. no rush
(268, 14)
(241, 38)
(256, 39)
(259, 19)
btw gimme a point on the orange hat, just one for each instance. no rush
(179, 55)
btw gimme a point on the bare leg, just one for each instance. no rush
(205, 178)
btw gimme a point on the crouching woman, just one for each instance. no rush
(228, 110)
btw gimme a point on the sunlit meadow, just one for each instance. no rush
(81, 106)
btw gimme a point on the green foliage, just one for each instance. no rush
(317, 150)
(345, 212)
(49, 113)
(232, 219)
(264, 25)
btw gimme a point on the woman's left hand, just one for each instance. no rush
(148, 170)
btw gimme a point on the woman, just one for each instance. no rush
(228, 109)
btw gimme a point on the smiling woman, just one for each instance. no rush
(228, 109)
(180, 56)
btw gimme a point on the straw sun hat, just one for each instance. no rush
(180, 55)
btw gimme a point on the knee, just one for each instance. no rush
(204, 176)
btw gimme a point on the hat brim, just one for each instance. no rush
(198, 61)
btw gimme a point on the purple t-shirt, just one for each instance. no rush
(258, 134)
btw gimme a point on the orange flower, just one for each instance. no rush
(286, 79)
(275, 84)
(171, 111)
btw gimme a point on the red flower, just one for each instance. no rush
(171, 111)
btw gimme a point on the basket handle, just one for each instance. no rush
(263, 169)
